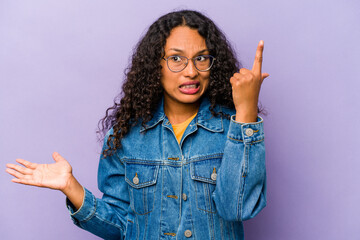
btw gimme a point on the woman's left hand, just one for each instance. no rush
(246, 88)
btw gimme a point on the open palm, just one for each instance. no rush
(54, 176)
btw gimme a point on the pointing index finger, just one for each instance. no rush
(258, 58)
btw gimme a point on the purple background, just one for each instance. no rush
(62, 62)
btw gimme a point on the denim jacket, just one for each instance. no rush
(203, 188)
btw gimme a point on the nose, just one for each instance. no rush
(190, 70)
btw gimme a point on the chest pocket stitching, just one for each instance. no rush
(142, 195)
(200, 171)
(207, 157)
(132, 169)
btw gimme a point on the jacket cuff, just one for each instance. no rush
(246, 132)
(87, 209)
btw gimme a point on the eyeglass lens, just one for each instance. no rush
(178, 63)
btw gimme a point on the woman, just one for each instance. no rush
(183, 156)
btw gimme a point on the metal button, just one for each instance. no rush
(249, 132)
(213, 176)
(188, 233)
(184, 197)
(136, 179)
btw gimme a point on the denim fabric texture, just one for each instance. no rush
(203, 188)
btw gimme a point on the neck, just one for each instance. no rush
(179, 112)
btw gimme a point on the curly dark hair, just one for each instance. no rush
(142, 90)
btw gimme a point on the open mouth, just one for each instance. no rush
(190, 86)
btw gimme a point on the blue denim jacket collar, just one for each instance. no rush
(204, 117)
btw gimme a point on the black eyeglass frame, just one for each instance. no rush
(187, 62)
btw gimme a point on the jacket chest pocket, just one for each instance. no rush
(142, 186)
(204, 174)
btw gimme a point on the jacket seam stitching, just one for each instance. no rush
(251, 142)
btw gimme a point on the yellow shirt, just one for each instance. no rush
(180, 128)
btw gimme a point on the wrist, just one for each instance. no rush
(246, 115)
(70, 185)
(245, 119)
(74, 192)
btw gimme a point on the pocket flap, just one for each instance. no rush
(202, 170)
(141, 175)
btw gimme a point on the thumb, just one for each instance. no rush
(57, 157)
(263, 76)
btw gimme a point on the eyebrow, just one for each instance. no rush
(181, 51)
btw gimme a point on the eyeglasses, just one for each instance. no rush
(202, 63)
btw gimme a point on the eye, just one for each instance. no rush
(201, 58)
(175, 59)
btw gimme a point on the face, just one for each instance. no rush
(187, 86)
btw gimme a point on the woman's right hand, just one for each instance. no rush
(57, 175)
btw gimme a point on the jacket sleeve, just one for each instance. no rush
(240, 191)
(105, 217)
